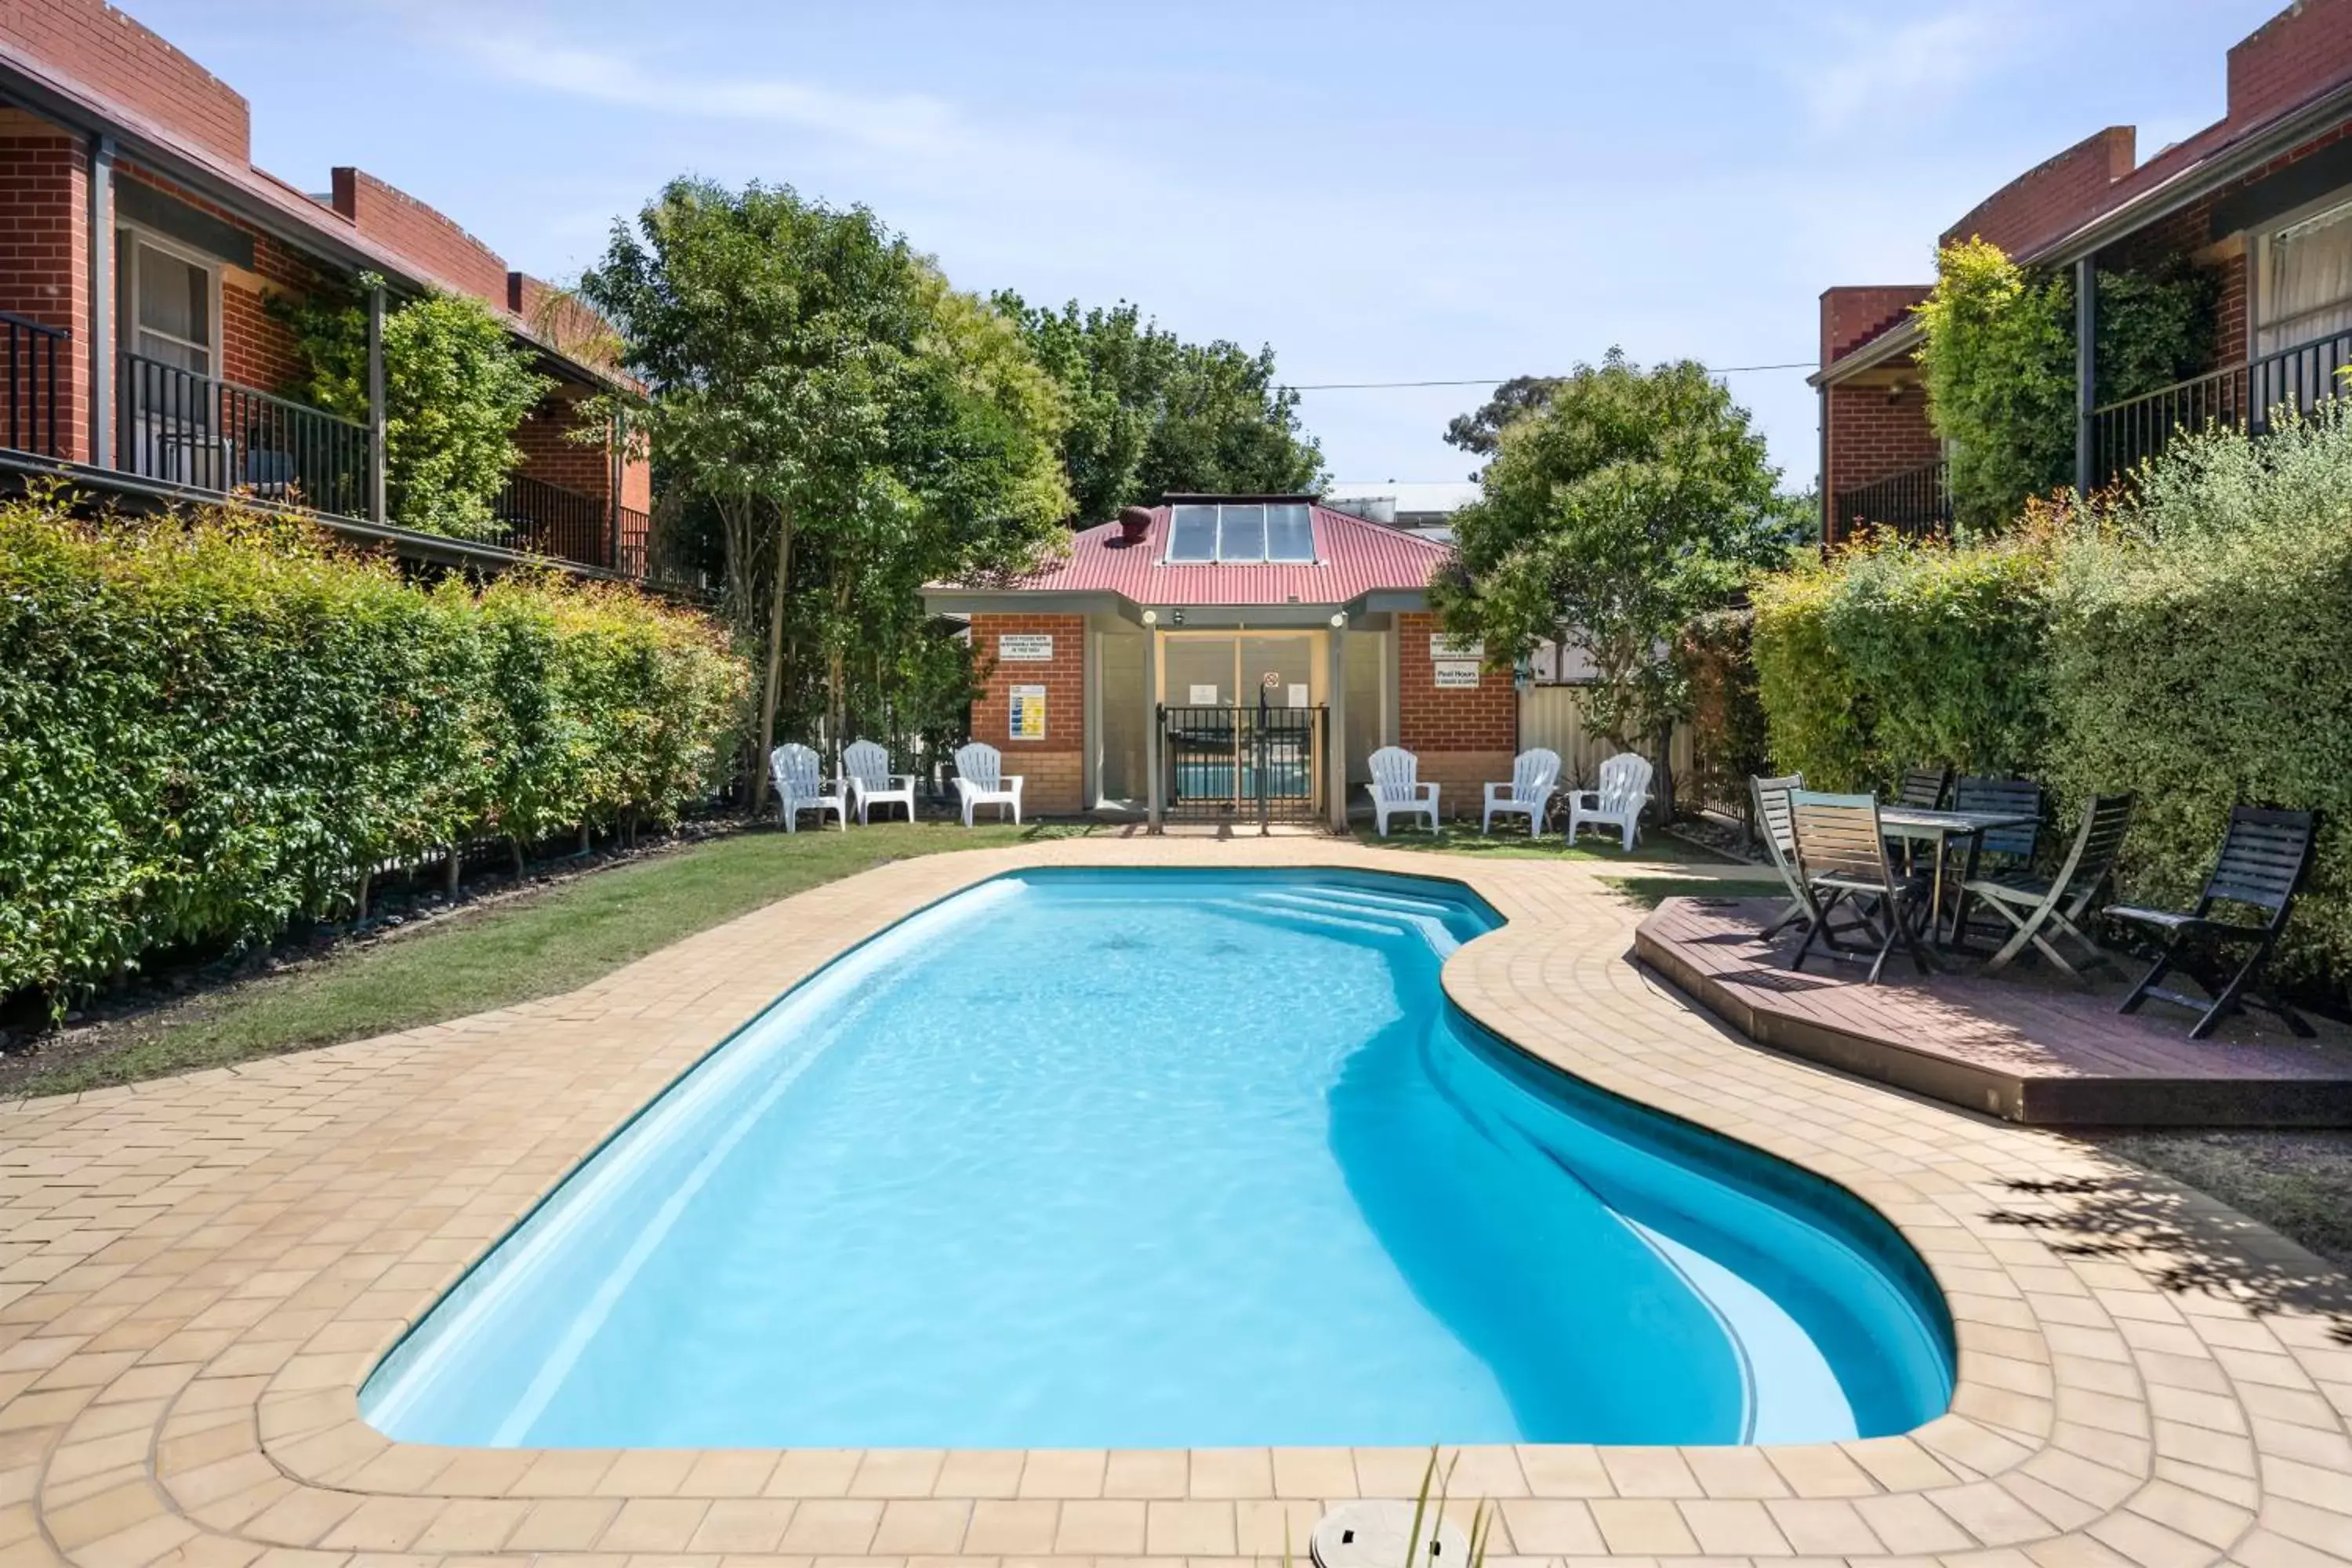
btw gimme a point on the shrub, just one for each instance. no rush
(1813, 720)
(455, 385)
(2000, 365)
(1727, 737)
(212, 727)
(2198, 657)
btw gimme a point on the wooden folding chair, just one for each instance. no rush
(1772, 819)
(1841, 864)
(1923, 788)
(2264, 857)
(2040, 909)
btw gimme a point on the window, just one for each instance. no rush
(2306, 281)
(169, 305)
(1241, 532)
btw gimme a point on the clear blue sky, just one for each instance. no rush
(1382, 191)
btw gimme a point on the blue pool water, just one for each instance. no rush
(1154, 1159)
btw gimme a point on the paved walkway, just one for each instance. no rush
(196, 1275)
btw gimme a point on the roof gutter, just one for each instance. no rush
(1894, 343)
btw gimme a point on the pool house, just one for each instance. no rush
(1230, 658)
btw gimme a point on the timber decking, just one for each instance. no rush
(2021, 1048)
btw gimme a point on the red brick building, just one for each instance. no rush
(140, 248)
(2262, 199)
(1224, 655)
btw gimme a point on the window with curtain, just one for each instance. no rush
(166, 307)
(2307, 281)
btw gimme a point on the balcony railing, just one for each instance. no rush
(176, 427)
(2242, 397)
(541, 519)
(30, 418)
(1914, 502)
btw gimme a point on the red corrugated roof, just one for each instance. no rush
(1352, 558)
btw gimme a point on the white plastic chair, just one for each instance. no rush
(1624, 790)
(981, 781)
(871, 782)
(1396, 787)
(1533, 775)
(799, 788)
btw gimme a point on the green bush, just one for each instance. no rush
(2187, 643)
(210, 727)
(2199, 656)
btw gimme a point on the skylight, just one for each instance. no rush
(1239, 532)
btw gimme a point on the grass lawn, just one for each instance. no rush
(2298, 1182)
(491, 956)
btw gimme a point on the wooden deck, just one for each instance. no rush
(2021, 1047)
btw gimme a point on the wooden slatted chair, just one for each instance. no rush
(2040, 908)
(1841, 864)
(1923, 788)
(2264, 857)
(1774, 822)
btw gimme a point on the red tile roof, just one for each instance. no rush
(1352, 558)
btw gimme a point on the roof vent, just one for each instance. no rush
(1134, 524)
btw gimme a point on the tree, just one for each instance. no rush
(455, 384)
(855, 426)
(1480, 431)
(1150, 415)
(1609, 517)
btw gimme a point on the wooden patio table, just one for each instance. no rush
(1938, 828)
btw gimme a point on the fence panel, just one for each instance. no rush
(1554, 716)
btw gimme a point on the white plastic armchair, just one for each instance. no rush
(1533, 775)
(1396, 787)
(1624, 790)
(871, 782)
(980, 780)
(799, 788)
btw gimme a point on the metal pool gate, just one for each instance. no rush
(1261, 764)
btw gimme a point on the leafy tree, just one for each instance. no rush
(1633, 500)
(855, 426)
(1150, 415)
(1480, 431)
(456, 385)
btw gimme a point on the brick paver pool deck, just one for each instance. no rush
(197, 1273)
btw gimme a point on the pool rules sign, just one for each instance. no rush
(1027, 713)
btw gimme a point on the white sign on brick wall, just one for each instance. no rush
(1025, 647)
(1456, 674)
(1443, 644)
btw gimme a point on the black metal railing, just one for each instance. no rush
(1262, 764)
(1916, 502)
(2246, 397)
(31, 417)
(548, 520)
(176, 427)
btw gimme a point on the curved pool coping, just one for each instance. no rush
(196, 1276)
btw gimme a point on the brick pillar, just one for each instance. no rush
(45, 237)
(1054, 766)
(1465, 736)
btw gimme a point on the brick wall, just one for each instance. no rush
(257, 349)
(398, 221)
(1462, 737)
(1054, 767)
(1876, 431)
(44, 260)
(2302, 51)
(550, 456)
(2051, 198)
(1853, 314)
(106, 50)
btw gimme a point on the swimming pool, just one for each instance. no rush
(1167, 1159)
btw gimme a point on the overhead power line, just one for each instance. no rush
(1498, 380)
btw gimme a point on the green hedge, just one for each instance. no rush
(210, 726)
(2188, 645)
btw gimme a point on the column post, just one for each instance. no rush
(1334, 720)
(102, 262)
(377, 510)
(1151, 718)
(2086, 369)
